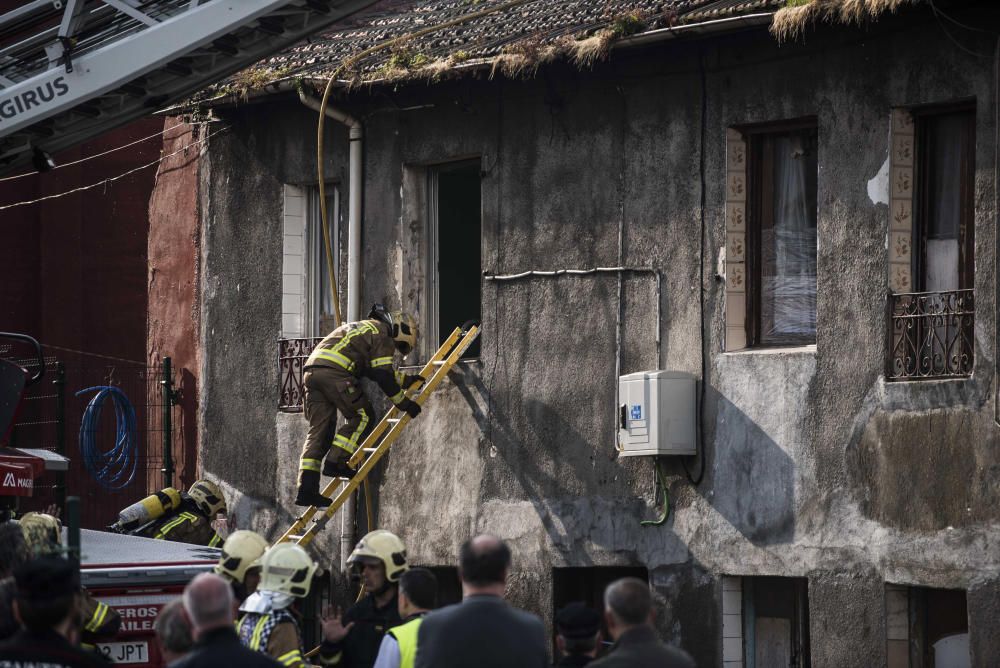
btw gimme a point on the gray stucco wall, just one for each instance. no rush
(815, 466)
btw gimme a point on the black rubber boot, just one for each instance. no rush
(334, 469)
(308, 494)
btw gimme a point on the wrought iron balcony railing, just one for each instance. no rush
(931, 335)
(292, 355)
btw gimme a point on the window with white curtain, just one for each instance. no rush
(945, 180)
(321, 314)
(781, 235)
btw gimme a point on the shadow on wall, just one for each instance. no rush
(186, 458)
(752, 477)
(501, 441)
(559, 482)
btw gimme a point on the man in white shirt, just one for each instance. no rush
(417, 596)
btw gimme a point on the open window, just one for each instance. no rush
(765, 622)
(943, 204)
(926, 628)
(781, 234)
(455, 250)
(932, 244)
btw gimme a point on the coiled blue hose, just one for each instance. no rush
(115, 468)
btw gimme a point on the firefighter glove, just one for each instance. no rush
(409, 380)
(412, 408)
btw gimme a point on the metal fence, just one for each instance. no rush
(52, 413)
(292, 356)
(931, 335)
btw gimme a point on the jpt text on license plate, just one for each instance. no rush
(126, 652)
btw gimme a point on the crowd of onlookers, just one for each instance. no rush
(244, 614)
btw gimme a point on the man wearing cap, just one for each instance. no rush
(45, 603)
(578, 635)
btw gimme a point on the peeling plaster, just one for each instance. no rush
(878, 185)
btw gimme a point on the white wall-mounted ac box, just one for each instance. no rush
(657, 413)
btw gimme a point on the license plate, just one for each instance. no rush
(125, 652)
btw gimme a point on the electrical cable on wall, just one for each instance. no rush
(662, 482)
(114, 468)
(700, 401)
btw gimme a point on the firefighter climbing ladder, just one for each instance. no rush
(312, 521)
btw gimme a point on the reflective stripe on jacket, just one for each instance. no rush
(355, 347)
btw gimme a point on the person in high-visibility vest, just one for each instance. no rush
(355, 350)
(417, 597)
(268, 624)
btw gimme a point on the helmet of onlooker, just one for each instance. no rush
(239, 553)
(42, 533)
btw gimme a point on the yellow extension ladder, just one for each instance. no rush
(372, 449)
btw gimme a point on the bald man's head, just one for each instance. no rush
(629, 600)
(208, 600)
(483, 561)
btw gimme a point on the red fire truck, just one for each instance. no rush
(138, 576)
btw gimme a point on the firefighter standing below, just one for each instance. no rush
(268, 625)
(180, 518)
(353, 641)
(332, 374)
(239, 563)
(43, 537)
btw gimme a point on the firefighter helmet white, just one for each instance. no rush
(208, 497)
(239, 553)
(404, 331)
(286, 568)
(387, 548)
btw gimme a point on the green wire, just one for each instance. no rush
(666, 500)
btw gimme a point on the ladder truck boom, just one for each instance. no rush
(73, 69)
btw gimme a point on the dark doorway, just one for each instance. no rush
(457, 248)
(587, 585)
(449, 587)
(775, 622)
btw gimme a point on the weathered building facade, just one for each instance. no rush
(791, 198)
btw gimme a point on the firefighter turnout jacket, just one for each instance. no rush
(275, 634)
(100, 621)
(187, 524)
(361, 349)
(359, 648)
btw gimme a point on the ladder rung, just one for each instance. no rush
(393, 420)
(295, 537)
(369, 450)
(439, 362)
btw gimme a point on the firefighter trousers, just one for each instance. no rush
(328, 391)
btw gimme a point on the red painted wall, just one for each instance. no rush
(73, 275)
(174, 251)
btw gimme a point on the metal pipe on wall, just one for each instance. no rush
(617, 271)
(353, 268)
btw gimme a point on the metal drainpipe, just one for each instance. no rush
(353, 271)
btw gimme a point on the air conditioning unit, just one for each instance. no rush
(657, 413)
